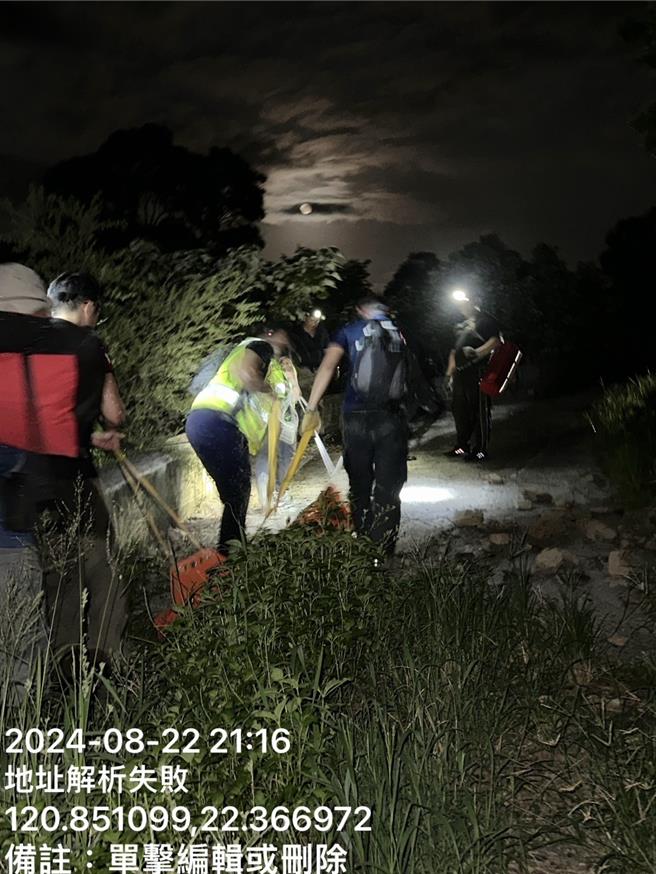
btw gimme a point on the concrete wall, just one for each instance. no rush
(181, 480)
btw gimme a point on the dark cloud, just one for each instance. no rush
(420, 123)
(319, 209)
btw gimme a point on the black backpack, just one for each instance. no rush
(379, 372)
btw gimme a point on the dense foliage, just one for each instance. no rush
(625, 424)
(479, 722)
(165, 310)
(152, 189)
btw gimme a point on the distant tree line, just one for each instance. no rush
(174, 236)
(578, 325)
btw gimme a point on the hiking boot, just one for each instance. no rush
(457, 452)
(477, 457)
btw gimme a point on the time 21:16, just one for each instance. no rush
(261, 741)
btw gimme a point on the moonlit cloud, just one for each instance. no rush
(410, 125)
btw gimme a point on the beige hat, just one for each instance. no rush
(22, 290)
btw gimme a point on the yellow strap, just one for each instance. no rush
(274, 441)
(293, 467)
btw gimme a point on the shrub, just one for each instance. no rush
(165, 310)
(625, 423)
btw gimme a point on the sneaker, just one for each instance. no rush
(477, 457)
(457, 452)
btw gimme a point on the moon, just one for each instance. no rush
(305, 208)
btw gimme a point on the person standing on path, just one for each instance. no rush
(374, 427)
(71, 486)
(228, 422)
(476, 337)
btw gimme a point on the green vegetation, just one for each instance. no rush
(480, 723)
(625, 422)
(165, 310)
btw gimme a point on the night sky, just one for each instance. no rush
(413, 126)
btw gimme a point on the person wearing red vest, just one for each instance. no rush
(23, 295)
(59, 382)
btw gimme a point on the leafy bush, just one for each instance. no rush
(625, 422)
(165, 310)
(473, 719)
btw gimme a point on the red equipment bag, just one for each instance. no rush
(501, 368)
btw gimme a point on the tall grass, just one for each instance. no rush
(625, 422)
(480, 723)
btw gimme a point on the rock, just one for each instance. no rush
(596, 530)
(618, 563)
(538, 497)
(570, 558)
(614, 705)
(550, 528)
(500, 539)
(469, 519)
(523, 504)
(617, 640)
(495, 479)
(549, 560)
(467, 550)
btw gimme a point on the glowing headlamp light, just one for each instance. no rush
(317, 314)
(459, 294)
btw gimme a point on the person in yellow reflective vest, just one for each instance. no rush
(228, 422)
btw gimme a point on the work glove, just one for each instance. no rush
(311, 421)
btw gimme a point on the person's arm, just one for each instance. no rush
(484, 350)
(112, 408)
(331, 358)
(451, 366)
(251, 373)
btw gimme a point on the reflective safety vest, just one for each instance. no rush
(250, 410)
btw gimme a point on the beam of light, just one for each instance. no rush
(459, 294)
(425, 494)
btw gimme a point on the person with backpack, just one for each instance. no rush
(228, 420)
(476, 337)
(375, 432)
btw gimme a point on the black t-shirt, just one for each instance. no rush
(473, 332)
(93, 363)
(264, 351)
(309, 350)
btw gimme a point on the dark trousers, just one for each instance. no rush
(78, 537)
(375, 458)
(223, 450)
(471, 411)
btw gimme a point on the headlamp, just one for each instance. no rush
(459, 294)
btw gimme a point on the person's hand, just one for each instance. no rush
(469, 352)
(108, 441)
(448, 383)
(311, 421)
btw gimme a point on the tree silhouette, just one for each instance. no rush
(629, 262)
(157, 191)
